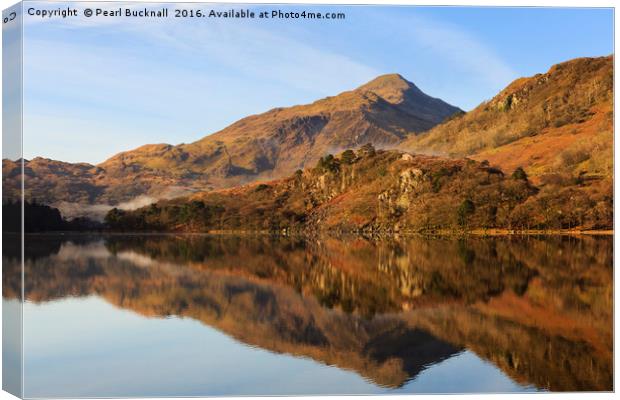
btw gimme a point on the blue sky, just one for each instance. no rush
(94, 87)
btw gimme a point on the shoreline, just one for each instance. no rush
(539, 232)
(440, 233)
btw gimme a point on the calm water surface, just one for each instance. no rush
(203, 315)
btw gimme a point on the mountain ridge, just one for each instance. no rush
(316, 127)
(263, 146)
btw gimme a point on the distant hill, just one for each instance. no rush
(265, 146)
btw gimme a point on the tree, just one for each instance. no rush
(519, 174)
(347, 157)
(367, 150)
(328, 164)
(466, 209)
(114, 218)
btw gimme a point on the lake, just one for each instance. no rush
(199, 315)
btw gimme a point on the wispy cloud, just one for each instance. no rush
(447, 60)
(458, 46)
(246, 46)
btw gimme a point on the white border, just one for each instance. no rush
(485, 3)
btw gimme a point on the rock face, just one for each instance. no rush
(266, 146)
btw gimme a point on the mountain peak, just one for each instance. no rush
(391, 87)
(405, 95)
(388, 79)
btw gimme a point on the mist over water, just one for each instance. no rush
(97, 212)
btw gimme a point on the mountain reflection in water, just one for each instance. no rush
(540, 309)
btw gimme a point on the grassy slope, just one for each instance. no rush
(557, 122)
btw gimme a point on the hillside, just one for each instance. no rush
(379, 191)
(554, 129)
(81, 189)
(276, 143)
(265, 146)
(555, 125)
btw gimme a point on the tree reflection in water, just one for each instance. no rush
(540, 308)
